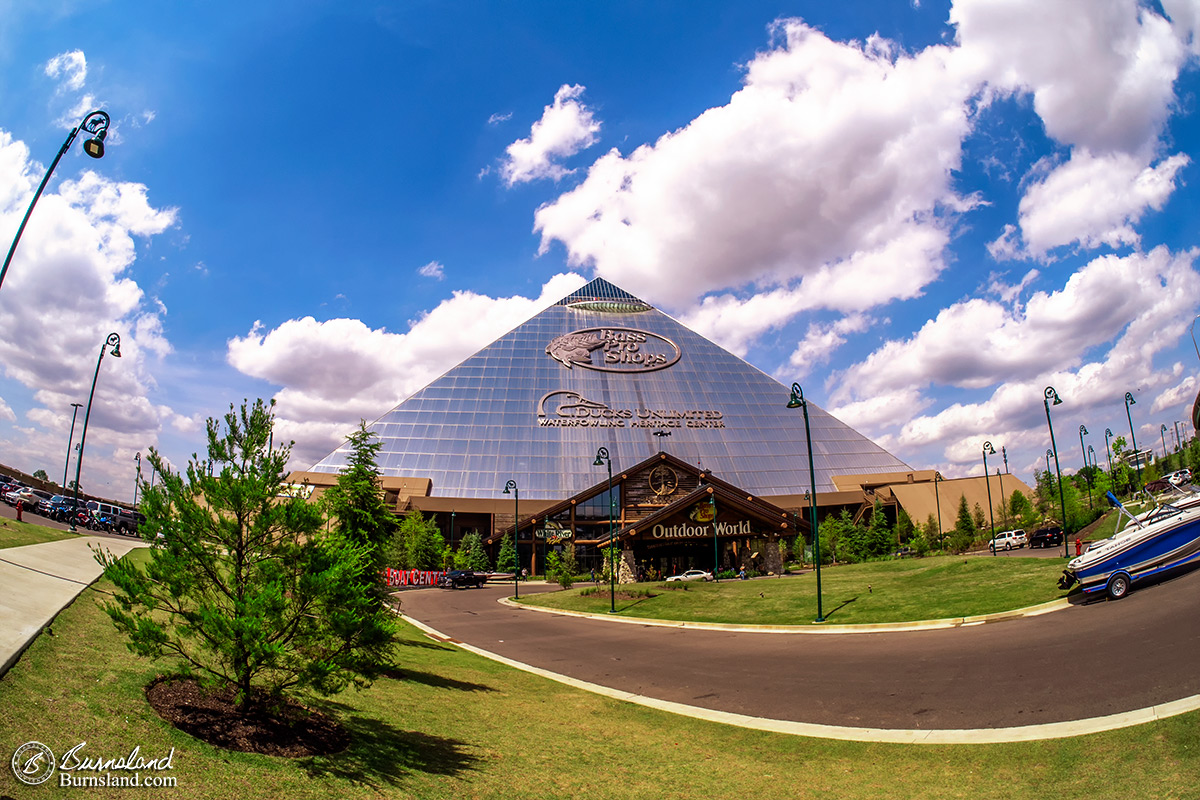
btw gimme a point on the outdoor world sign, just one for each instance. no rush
(685, 531)
(614, 350)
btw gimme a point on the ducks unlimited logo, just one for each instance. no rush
(614, 350)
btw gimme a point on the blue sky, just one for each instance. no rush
(924, 212)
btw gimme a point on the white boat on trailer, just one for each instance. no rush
(1165, 538)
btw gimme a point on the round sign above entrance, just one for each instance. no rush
(663, 480)
(614, 350)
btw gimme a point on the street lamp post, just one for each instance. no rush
(936, 499)
(602, 459)
(138, 479)
(1178, 444)
(712, 502)
(511, 488)
(1047, 395)
(113, 341)
(987, 478)
(797, 401)
(70, 436)
(1108, 435)
(95, 123)
(1137, 461)
(1083, 431)
(1162, 434)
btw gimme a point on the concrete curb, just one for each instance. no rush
(815, 628)
(1026, 733)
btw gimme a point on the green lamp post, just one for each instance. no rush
(797, 401)
(113, 341)
(987, 478)
(95, 123)
(511, 488)
(1137, 460)
(1048, 395)
(1083, 431)
(602, 459)
(70, 438)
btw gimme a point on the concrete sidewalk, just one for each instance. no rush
(39, 580)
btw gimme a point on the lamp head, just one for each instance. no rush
(988, 449)
(114, 341)
(1083, 431)
(601, 457)
(1129, 401)
(1051, 394)
(1108, 432)
(510, 485)
(797, 399)
(94, 147)
(1163, 427)
(96, 123)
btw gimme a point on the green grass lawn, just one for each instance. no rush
(449, 724)
(16, 534)
(884, 591)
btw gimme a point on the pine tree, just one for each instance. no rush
(417, 544)
(506, 561)
(964, 527)
(245, 589)
(356, 503)
(471, 554)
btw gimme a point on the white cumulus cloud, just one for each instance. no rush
(339, 371)
(566, 127)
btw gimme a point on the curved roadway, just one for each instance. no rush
(1090, 660)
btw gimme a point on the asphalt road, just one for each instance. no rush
(1089, 660)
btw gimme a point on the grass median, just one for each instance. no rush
(18, 534)
(905, 590)
(449, 724)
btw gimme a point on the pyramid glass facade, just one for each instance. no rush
(601, 368)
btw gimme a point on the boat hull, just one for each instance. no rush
(1141, 554)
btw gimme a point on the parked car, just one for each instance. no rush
(62, 507)
(41, 502)
(1049, 536)
(461, 578)
(692, 575)
(1007, 540)
(23, 495)
(1180, 476)
(128, 522)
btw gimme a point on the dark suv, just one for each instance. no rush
(1049, 536)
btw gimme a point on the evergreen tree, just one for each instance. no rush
(978, 517)
(880, 535)
(417, 544)
(561, 566)
(356, 503)
(906, 530)
(471, 554)
(930, 532)
(245, 589)
(964, 527)
(506, 560)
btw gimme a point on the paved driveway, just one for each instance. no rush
(1085, 661)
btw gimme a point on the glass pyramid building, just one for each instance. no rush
(601, 368)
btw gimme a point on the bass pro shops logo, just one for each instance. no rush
(614, 350)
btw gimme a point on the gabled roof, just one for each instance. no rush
(726, 497)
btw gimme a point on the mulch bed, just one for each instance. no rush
(291, 731)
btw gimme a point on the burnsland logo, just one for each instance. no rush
(620, 350)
